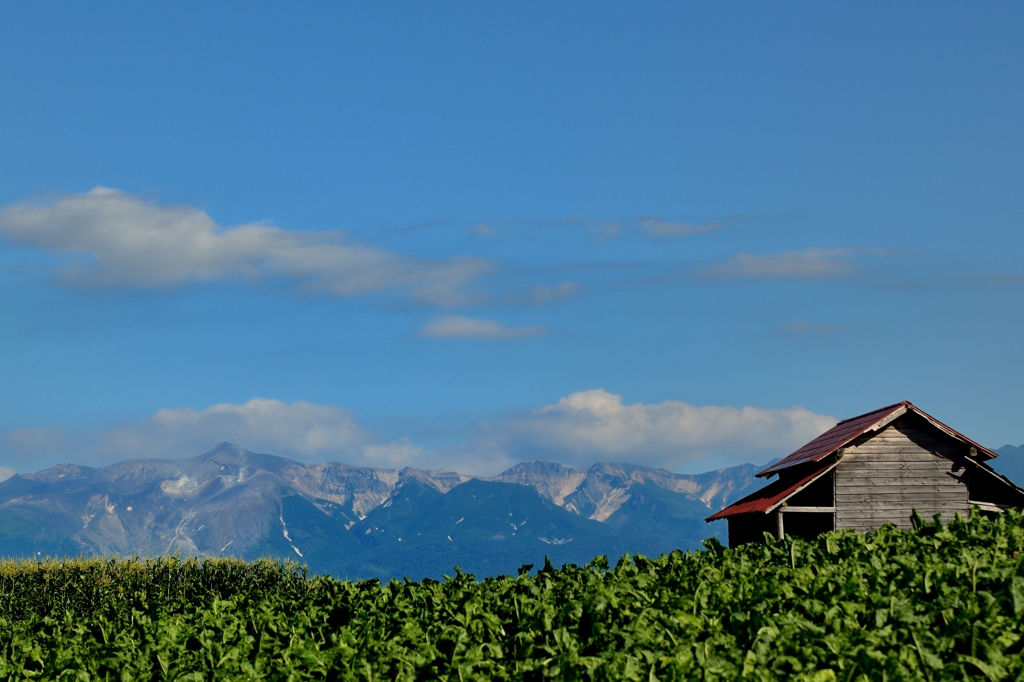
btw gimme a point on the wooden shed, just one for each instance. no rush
(870, 470)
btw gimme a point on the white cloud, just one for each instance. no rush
(483, 230)
(596, 426)
(656, 228)
(124, 241)
(579, 430)
(299, 429)
(806, 264)
(543, 294)
(459, 327)
(395, 455)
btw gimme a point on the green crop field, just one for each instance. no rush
(937, 603)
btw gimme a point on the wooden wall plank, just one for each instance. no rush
(889, 477)
(883, 477)
(899, 493)
(902, 504)
(893, 465)
(882, 516)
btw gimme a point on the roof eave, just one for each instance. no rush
(721, 514)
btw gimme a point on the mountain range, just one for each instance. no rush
(358, 522)
(1010, 463)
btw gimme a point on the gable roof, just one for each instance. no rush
(845, 431)
(772, 495)
(811, 459)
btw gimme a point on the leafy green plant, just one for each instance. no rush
(935, 603)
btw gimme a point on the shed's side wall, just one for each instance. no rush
(907, 465)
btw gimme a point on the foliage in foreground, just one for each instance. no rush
(935, 603)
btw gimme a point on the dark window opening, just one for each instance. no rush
(808, 525)
(821, 493)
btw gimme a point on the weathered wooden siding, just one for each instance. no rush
(907, 465)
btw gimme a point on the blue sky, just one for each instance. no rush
(684, 235)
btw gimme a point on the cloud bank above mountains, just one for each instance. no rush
(301, 429)
(578, 430)
(596, 425)
(108, 239)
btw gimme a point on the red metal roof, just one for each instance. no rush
(848, 429)
(836, 437)
(772, 495)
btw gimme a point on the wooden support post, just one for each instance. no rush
(780, 532)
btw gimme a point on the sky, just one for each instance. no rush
(683, 235)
